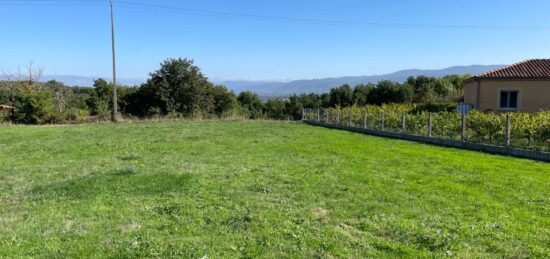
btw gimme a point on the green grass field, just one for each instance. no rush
(261, 189)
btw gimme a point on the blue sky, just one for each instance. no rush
(70, 37)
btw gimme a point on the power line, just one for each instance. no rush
(201, 12)
(268, 18)
(50, 2)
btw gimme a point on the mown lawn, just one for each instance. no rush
(261, 189)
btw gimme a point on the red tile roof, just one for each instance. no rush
(533, 69)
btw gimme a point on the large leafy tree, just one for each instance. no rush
(224, 100)
(250, 102)
(341, 96)
(390, 92)
(311, 100)
(361, 93)
(294, 107)
(100, 101)
(275, 109)
(178, 86)
(325, 100)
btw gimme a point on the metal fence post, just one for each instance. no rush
(303, 114)
(508, 130)
(318, 115)
(430, 123)
(382, 120)
(366, 121)
(404, 121)
(463, 132)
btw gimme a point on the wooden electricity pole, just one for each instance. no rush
(114, 112)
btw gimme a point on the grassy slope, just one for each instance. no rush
(190, 189)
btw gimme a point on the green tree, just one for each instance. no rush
(325, 100)
(33, 107)
(275, 109)
(100, 101)
(361, 93)
(341, 96)
(250, 102)
(177, 87)
(311, 100)
(224, 100)
(423, 88)
(390, 92)
(294, 107)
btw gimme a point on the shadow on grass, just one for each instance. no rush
(122, 183)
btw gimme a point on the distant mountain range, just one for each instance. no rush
(267, 89)
(270, 89)
(88, 80)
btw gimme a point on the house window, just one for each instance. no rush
(509, 100)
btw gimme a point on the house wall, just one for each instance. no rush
(533, 95)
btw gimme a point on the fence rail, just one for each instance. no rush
(378, 126)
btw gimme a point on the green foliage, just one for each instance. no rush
(276, 109)
(434, 108)
(529, 130)
(361, 94)
(294, 107)
(53, 102)
(33, 107)
(431, 90)
(341, 96)
(390, 92)
(447, 125)
(225, 101)
(311, 100)
(534, 128)
(251, 103)
(178, 86)
(179, 89)
(486, 126)
(100, 101)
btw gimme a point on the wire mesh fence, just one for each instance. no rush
(510, 130)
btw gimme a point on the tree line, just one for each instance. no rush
(179, 89)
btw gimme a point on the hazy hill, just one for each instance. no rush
(324, 85)
(82, 80)
(266, 89)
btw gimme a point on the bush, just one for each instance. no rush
(275, 109)
(486, 126)
(252, 104)
(33, 108)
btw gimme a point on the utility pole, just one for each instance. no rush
(114, 113)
